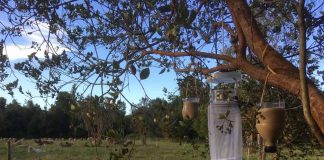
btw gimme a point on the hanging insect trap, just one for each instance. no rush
(270, 121)
(190, 104)
(224, 119)
(190, 108)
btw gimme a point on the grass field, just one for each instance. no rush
(154, 150)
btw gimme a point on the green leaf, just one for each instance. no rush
(132, 69)
(184, 10)
(222, 116)
(150, 4)
(115, 65)
(72, 107)
(20, 90)
(31, 56)
(159, 31)
(162, 71)
(277, 29)
(145, 73)
(166, 8)
(192, 17)
(171, 33)
(127, 17)
(181, 123)
(227, 113)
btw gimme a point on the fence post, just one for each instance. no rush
(9, 150)
(249, 145)
(262, 155)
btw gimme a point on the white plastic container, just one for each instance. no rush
(225, 145)
(224, 119)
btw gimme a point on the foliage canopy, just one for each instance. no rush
(101, 43)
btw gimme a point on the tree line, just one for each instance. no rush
(92, 118)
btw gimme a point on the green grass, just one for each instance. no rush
(156, 149)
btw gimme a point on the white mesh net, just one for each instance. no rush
(225, 144)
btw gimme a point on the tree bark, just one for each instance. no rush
(302, 74)
(286, 76)
(256, 42)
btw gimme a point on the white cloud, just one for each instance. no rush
(17, 51)
(20, 47)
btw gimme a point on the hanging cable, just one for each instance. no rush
(223, 42)
(264, 88)
(251, 19)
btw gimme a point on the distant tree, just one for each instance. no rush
(142, 119)
(14, 104)
(58, 117)
(35, 118)
(16, 120)
(3, 103)
(22, 121)
(63, 102)
(99, 116)
(3, 123)
(200, 124)
(162, 116)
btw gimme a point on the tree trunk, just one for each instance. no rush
(302, 74)
(286, 76)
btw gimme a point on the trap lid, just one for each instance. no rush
(225, 77)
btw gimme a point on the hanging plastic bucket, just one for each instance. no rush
(270, 122)
(190, 108)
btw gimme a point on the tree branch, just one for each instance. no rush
(241, 47)
(302, 73)
(224, 67)
(190, 53)
(317, 21)
(206, 71)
